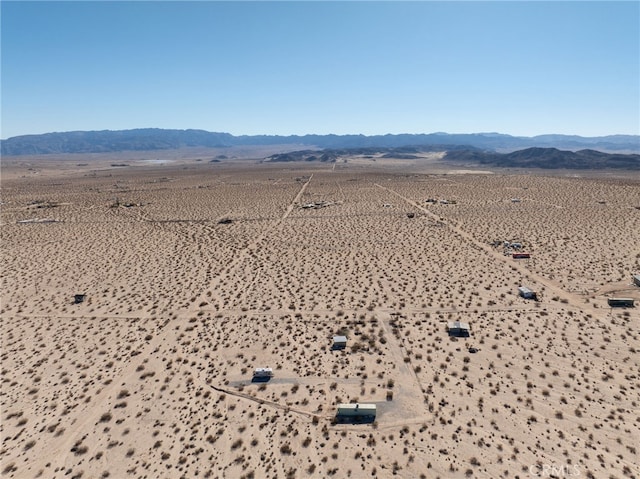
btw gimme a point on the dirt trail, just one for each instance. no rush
(255, 244)
(102, 402)
(552, 286)
(266, 402)
(407, 385)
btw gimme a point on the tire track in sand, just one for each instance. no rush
(571, 299)
(104, 401)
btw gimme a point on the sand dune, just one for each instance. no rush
(150, 376)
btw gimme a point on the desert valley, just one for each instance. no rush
(140, 293)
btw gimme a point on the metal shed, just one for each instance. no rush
(621, 302)
(339, 342)
(458, 328)
(527, 293)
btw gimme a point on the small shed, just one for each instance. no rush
(339, 342)
(527, 293)
(636, 279)
(263, 373)
(458, 328)
(79, 298)
(356, 410)
(621, 302)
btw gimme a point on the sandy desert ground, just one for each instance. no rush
(150, 376)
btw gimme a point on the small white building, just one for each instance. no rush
(263, 373)
(339, 342)
(527, 293)
(458, 328)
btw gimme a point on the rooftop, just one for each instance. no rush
(457, 325)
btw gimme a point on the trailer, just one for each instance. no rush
(621, 302)
(521, 255)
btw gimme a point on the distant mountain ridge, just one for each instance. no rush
(535, 157)
(548, 158)
(162, 139)
(332, 154)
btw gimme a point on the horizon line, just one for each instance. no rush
(321, 134)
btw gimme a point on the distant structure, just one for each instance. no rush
(521, 256)
(316, 205)
(636, 279)
(458, 328)
(263, 373)
(38, 220)
(527, 293)
(339, 342)
(79, 298)
(356, 410)
(621, 302)
(515, 200)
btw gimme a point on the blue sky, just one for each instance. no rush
(522, 68)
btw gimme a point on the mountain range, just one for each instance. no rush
(535, 157)
(162, 139)
(548, 158)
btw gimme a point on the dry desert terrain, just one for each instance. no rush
(196, 272)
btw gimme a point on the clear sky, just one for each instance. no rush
(522, 68)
